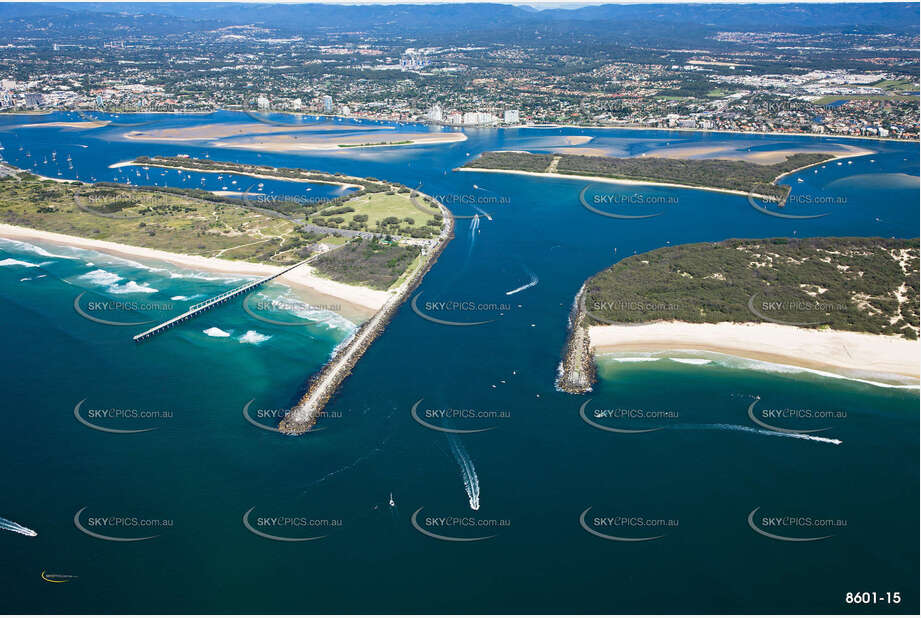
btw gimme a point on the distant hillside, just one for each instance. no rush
(854, 284)
(451, 18)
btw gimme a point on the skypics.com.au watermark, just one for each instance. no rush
(626, 205)
(288, 528)
(268, 418)
(793, 307)
(438, 311)
(626, 420)
(458, 528)
(121, 527)
(794, 206)
(471, 199)
(119, 420)
(271, 310)
(457, 420)
(795, 527)
(626, 527)
(786, 419)
(117, 312)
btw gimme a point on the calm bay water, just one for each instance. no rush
(538, 469)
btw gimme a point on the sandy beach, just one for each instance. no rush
(356, 301)
(84, 124)
(858, 152)
(298, 143)
(225, 130)
(602, 179)
(855, 355)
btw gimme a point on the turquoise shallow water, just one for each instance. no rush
(539, 467)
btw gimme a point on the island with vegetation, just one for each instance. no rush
(797, 292)
(744, 177)
(373, 206)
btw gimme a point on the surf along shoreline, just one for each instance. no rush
(881, 360)
(376, 306)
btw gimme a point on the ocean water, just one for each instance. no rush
(536, 468)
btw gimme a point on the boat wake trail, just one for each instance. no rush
(12, 526)
(474, 229)
(765, 432)
(468, 472)
(530, 284)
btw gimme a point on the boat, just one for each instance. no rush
(392, 503)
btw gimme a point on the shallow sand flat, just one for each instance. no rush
(224, 130)
(587, 151)
(359, 300)
(83, 124)
(294, 143)
(845, 353)
(762, 157)
(577, 140)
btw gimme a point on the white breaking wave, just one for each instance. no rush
(737, 362)
(171, 273)
(468, 472)
(179, 298)
(30, 248)
(214, 331)
(12, 526)
(295, 306)
(109, 280)
(13, 262)
(764, 432)
(254, 337)
(132, 287)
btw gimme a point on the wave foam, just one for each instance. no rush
(13, 262)
(110, 281)
(254, 337)
(214, 331)
(30, 248)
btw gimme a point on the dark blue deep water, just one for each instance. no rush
(689, 487)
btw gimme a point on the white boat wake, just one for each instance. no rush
(468, 472)
(474, 228)
(530, 284)
(12, 526)
(765, 432)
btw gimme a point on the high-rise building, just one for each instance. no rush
(479, 118)
(327, 103)
(511, 116)
(262, 102)
(435, 114)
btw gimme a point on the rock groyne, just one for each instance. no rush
(302, 417)
(577, 369)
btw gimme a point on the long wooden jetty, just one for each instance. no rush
(215, 301)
